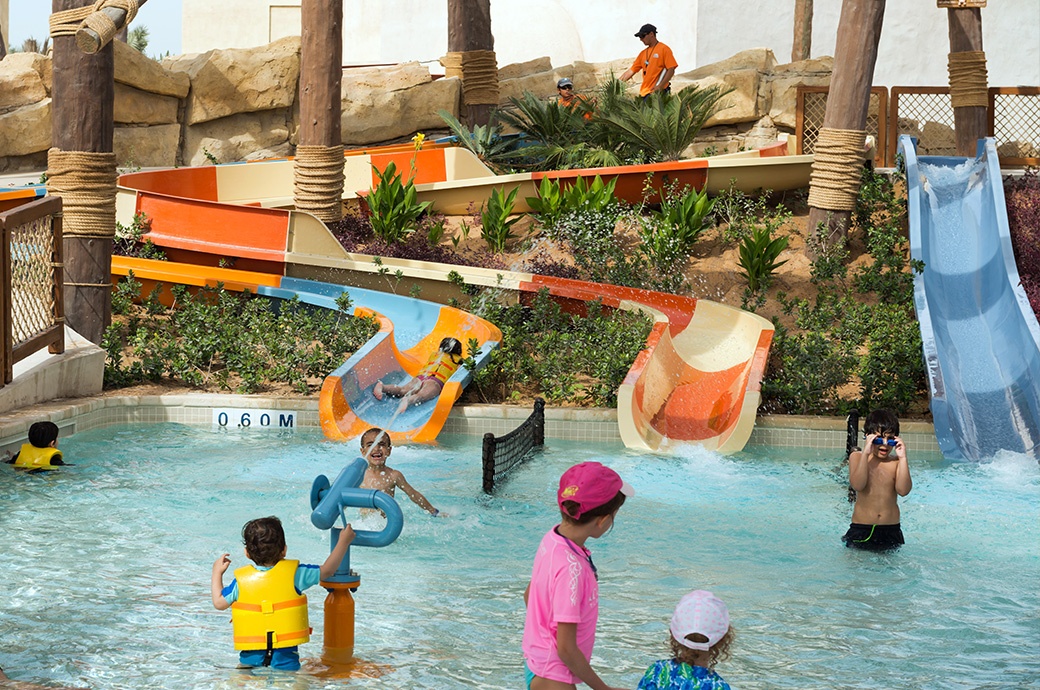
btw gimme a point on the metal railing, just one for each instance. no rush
(926, 112)
(31, 294)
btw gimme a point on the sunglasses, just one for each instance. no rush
(566, 88)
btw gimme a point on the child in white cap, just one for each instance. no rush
(700, 638)
(562, 597)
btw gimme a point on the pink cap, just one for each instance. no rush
(701, 612)
(590, 485)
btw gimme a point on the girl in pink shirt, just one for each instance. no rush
(563, 596)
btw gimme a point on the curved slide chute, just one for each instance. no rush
(980, 336)
(698, 379)
(347, 407)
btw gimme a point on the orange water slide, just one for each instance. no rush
(699, 377)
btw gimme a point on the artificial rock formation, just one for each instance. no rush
(240, 104)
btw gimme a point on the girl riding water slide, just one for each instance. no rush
(427, 385)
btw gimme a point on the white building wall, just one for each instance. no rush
(913, 49)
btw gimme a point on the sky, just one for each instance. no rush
(162, 17)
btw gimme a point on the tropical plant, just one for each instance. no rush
(686, 214)
(32, 45)
(659, 127)
(484, 141)
(561, 135)
(137, 38)
(496, 226)
(394, 206)
(758, 254)
(584, 210)
(550, 204)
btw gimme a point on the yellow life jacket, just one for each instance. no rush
(33, 458)
(440, 366)
(268, 603)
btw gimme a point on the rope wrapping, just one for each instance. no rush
(478, 70)
(68, 22)
(318, 181)
(837, 168)
(86, 183)
(968, 79)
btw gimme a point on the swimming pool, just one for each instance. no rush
(108, 565)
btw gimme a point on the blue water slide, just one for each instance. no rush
(980, 337)
(418, 326)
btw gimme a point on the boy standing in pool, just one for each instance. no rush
(562, 597)
(878, 474)
(375, 448)
(268, 607)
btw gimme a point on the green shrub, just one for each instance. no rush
(393, 206)
(233, 341)
(565, 358)
(860, 344)
(669, 234)
(132, 241)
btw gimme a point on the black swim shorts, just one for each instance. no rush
(873, 537)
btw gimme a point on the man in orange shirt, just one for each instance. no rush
(656, 62)
(567, 97)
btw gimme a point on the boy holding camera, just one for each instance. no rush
(878, 474)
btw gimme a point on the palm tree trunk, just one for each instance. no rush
(855, 54)
(801, 49)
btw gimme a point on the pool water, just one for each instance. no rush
(108, 565)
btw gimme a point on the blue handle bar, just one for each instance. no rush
(327, 503)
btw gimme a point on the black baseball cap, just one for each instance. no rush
(646, 29)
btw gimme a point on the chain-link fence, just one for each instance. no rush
(926, 112)
(1014, 121)
(32, 309)
(812, 106)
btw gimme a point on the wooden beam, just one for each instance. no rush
(969, 122)
(855, 54)
(82, 110)
(91, 42)
(801, 48)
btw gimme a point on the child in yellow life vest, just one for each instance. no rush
(41, 452)
(428, 383)
(268, 607)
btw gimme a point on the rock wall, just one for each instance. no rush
(238, 104)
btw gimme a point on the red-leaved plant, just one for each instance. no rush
(1023, 208)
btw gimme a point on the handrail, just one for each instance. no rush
(32, 282)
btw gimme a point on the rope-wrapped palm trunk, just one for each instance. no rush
(838, 164)
(471, 56)
(81, 167)
(969, 88)
(318, 167)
